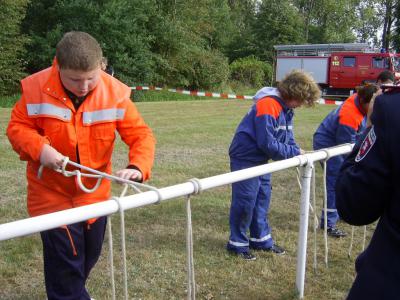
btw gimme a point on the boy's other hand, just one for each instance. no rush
(51, 158)
(130, 174)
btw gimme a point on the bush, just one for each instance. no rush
(196, 68)
(250, 71)
(11, 45)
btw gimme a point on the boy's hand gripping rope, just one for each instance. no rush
(96, 174)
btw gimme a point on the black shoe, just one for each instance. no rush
(244, 255)
(274, 249)
(336, 232)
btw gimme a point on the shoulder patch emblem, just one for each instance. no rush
(366, 145)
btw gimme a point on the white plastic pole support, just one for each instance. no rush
(303, 229)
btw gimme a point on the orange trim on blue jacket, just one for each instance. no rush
(268, 106)
(265, 132)
(342, 125)
(351, 113)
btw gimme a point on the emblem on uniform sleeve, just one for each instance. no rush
(366, 145)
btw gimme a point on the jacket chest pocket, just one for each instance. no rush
(103, 131)
(52, 128)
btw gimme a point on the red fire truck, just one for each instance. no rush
(338, 68)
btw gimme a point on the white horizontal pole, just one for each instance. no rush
(74, 215)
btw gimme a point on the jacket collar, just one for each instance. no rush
(358, 105)
(53, 87)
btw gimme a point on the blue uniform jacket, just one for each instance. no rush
(266, 131)
(341, 125)
(368, 189)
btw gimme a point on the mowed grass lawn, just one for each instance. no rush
(192, 141)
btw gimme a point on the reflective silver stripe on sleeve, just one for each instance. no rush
(48, 110)
(103, 115)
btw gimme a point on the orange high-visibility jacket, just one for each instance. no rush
(45, 114)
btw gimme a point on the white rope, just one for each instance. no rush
(315, 262)
(351, 241)
(123, 243)
(111, 256)
(325, 216)
(325, 207)
(364, 237)
(95, 174)
(298, 175)
(311, 206)
(191, 287)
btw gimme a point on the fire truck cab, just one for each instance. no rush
(338, 68)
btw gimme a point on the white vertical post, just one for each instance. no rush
(302, 242)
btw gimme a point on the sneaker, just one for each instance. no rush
(336, 232)
(274, 249)
(244, 255)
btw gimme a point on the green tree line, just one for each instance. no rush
(195, 44)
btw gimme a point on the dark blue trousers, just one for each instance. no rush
(249, 211)
(69, 254)
(332, 171)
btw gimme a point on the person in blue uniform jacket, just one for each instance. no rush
(368, 189)
(342, 126)
(264, 133)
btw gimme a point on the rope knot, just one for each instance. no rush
(328, 155)
(196, 185)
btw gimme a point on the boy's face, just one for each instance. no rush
(293, 103)
(80, 83)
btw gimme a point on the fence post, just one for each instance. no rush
(303, 228)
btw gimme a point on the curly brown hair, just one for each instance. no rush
(298, 85)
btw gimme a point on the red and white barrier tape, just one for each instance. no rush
(215, 95)
(327, 101)
(193, 93)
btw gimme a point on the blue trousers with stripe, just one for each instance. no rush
(332, 172)
(249, 211)
(69, 254)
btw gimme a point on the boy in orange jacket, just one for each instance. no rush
(73, 109)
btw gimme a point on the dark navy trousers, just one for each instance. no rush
(249, 211)
(332, 172)
(69, 254)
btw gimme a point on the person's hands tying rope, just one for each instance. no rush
(51, 158)
(130, 174)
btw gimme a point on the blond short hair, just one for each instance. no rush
(78, 51)
(300, 86)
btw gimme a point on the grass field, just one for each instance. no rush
(193, 139)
